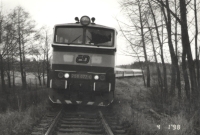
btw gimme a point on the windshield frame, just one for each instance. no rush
(84, 36)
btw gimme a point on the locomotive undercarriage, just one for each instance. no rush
(82, 92)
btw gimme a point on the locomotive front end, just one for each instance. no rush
(83, 61)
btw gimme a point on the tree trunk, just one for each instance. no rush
(43, 69)
(2, 74)
(40, 82)
(144, 45)
(48, 72)
(185, 75)
(173, 80)
(21, 55)
(39, 72)
(161, 50)
(13, 72)
(186, 46)
(143, 77)
(196, 43)
(43, 77)
(160, 81)
(47, 62)
(1, 59)
(178, 81)
(172, 53)
(23, 60)
(8, 70)
(13, 75)
(21, 66)
(9, 79)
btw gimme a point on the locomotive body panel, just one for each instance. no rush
(82, 66)
(85, 59)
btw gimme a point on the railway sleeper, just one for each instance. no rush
(36, 133)
(78, 133)
(119, 131)
(71, 115)
(80, 122)
(38, 129)
(82, 130)
(116, 127)
(43, 124)
(80, 119)
(80, 126)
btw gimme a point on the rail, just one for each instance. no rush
(55, 121)
(105, 124)
(71, 121)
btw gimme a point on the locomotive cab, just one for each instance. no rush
(83, 61)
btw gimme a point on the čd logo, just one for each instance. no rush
(82, 59)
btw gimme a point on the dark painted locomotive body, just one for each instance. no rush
(83, 62)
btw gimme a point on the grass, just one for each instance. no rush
(21, 109)
(21, 123)
(139, 110)
(30, 78)
(19, 99)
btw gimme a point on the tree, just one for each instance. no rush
(135, 11)
(175, 68)
(47, 50)
(2, 52)
(165, 89)
(174, 19)
(186, 46)
(43, 39)
(196, 43)
(25, 33)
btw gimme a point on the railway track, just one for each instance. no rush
(79, 122)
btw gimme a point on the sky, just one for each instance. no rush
(51, 12)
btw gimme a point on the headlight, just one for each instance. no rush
(60, 75)
(96, 77)
(102, 77)
(85, 20)
(66, 75)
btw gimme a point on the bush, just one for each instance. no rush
(19, 99)
(170, 117)
(19, 123)
(176, 125)
(176, 117)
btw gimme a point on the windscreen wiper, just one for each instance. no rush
(74, 40)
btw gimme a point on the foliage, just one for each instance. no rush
(157, 32)
(19, 123)
(23, 47)
(142, 112)
(21, 99)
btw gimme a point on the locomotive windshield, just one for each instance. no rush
(87, 36)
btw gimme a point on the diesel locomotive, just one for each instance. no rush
(83, 63)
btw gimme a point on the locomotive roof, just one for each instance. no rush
(90, 25)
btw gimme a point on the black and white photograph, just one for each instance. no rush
(99, 67)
